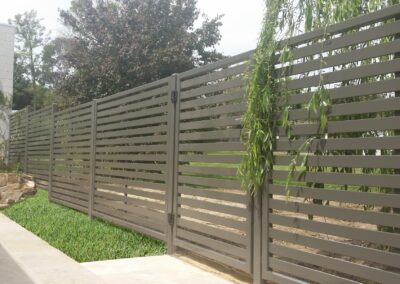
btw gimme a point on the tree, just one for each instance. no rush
(119, 44)
(31, 37)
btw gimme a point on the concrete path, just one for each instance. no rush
(27, 259)
(153, 269)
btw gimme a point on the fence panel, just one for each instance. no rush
(17, 143)
(337, 222)
(38, 145)
(71, 157)
(213, 212)
(131, 158)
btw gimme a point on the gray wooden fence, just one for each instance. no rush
(162, 159)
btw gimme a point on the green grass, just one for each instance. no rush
(76, 235)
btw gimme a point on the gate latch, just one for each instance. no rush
(171, 219)
(174, 96)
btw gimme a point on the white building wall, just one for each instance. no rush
(6, 73)
(6, 59)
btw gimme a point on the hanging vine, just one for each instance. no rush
(285, 19)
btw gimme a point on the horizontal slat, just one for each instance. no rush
(212, 219)
(369, 217)
(217, 75)
(358, 252)
(131, 218)
(364, 107)
(354, 161)
(342, 58)
(132, 174)
(123, 223)
(343, 266)
(153, 194)
(133, 158)
(162, 119)
(225, 159)
(138, 114)
(215, 171)
(214, 111)
(210, 206)
(367, 143)
(364, 198)
(211, 123)
(150, 185)
(305, 273)
(132, 107)
(347, 40)
(217, 99)
(132, 132)
(211, 135)
(240, 239)
(378, 87)
(210, 182)
(131, 166)
(217, 65)
(350, 24)
(236, 197)
(213, 255)
(211, 147)
(216, 245)
(360, 234)
(346, 126)
(128, 200)
(392, 181)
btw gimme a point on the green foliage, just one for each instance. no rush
(76, 235)
(284, 19)
(116, 45)
(30, 88)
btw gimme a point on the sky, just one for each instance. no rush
(241, 22)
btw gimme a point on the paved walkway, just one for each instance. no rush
(26, 259)
(153, 269)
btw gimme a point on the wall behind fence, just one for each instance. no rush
(162, 159)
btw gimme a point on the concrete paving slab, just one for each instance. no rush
(153, 269)
(29, 257)
(10, 272)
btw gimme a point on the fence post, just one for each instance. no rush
(26, 139)
(397, 131)
(257, 236)
(173, 123)
(51, 150)
(92, 158)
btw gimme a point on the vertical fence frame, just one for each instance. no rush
(173, 124)
(92, 186)
(28, 109)
(52, 127)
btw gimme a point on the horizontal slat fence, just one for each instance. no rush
(337, 223)
(38, 146)
(18, 139)
(162, 159)
(71, 159)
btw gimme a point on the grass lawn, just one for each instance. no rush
(76, 235)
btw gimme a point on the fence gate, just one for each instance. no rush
(213, 212)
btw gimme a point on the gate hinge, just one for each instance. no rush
(171, 219)
(174, 96)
